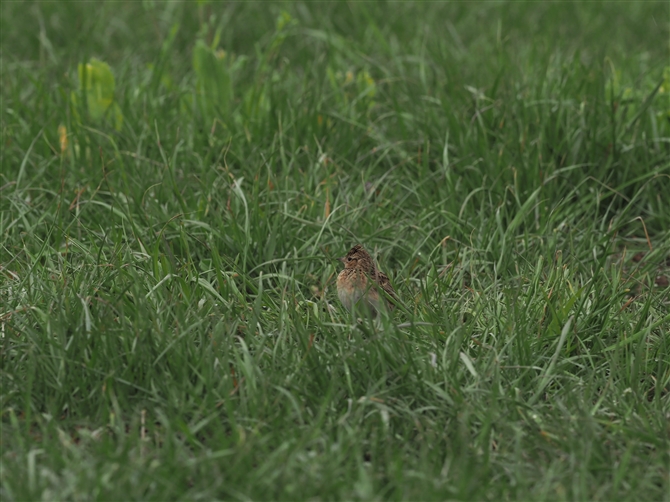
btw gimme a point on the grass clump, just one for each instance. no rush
(169, 323)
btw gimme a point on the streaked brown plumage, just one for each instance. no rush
(360, 281)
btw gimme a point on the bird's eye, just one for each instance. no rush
(349, 258)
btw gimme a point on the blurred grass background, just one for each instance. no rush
(178, 177)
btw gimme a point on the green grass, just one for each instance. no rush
(166, 274)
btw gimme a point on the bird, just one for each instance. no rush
(360, 281)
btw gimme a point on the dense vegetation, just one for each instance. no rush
(177, 179)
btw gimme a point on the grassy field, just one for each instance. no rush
(178, 178)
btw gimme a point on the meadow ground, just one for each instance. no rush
(177, 179)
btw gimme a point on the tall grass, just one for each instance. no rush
(169, 323)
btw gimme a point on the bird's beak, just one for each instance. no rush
(342, 259)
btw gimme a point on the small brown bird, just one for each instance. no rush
(360, 281)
